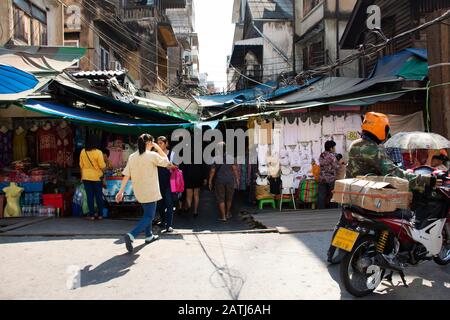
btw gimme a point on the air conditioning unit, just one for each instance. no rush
(116, 66)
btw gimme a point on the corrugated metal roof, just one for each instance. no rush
(99, 73)
(271, 9)
(325, 88)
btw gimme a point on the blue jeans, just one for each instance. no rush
(165, 207)
(94, 189)
(146, 221)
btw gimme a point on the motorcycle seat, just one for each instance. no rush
(398, 214)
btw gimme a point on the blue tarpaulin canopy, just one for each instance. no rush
(14, 81)
(99, 119)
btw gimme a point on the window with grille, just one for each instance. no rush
(30, 23)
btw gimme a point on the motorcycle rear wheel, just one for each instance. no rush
(358, 273)
(335, 255)
(443, 258)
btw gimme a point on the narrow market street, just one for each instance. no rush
(226, 267)
(225, 150)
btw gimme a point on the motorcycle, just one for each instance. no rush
(370, 244)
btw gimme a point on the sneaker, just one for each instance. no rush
(151, 239)
(169, 230)
(128, 243)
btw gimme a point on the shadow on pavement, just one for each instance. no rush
(113, 268)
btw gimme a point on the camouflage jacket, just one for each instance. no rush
(367, 157)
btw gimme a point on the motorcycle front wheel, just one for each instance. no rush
(359, 274)
(443, 258)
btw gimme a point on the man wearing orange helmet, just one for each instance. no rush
(368, 155)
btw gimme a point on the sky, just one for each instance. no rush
(215, 33)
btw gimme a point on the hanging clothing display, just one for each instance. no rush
(339, 125)
(298, 177)
(278, 140)
(290, 132)
(31, 140)
(19, 144)
(294, 156)
(304, 133)
(316, 149)
(6, 147)
(341, 146)
(305, 157)
(265, 132)
(284, 157)
(263, 152)
(315, 129)
(47, 144)
(273, 165)
(328, 128)
(64, 146)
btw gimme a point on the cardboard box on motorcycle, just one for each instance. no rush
(376, 196)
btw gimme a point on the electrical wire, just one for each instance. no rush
(366, 50)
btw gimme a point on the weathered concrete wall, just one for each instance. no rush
(281, 35)
(6, 21)
(304, 23)
(350, 70)
(55, 21)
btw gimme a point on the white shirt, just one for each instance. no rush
(278, 136)
(297, 178)
(328, 126)
(143, 170)
(294, 157)
(341, 146)
(290, 133)
(315, 131)
(263, 152)
(304, 130)
(316, 149)
(339, 125)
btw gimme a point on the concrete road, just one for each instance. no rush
(227, 266)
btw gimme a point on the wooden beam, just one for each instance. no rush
(438, 43)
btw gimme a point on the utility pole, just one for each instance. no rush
(438, 42)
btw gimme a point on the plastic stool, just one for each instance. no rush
(262, 202)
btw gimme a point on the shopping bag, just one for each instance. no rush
(176, 181)
(308, 191)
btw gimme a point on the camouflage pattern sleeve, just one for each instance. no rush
(386, 166)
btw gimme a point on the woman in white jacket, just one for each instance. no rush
(142, 170)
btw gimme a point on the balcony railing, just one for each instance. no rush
(137, 12)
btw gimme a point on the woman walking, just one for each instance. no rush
(142, 169)
(165, 205)
(224, 178)
(92, 164)
(195, 176)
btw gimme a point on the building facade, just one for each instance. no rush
(31, 23)
(319, 26)
(263, 42)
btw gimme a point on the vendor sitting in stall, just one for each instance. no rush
(438, 162)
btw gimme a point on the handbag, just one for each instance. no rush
(176, 181)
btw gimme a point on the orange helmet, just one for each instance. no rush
(377, 124)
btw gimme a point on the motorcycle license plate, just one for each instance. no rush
(345, 239)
